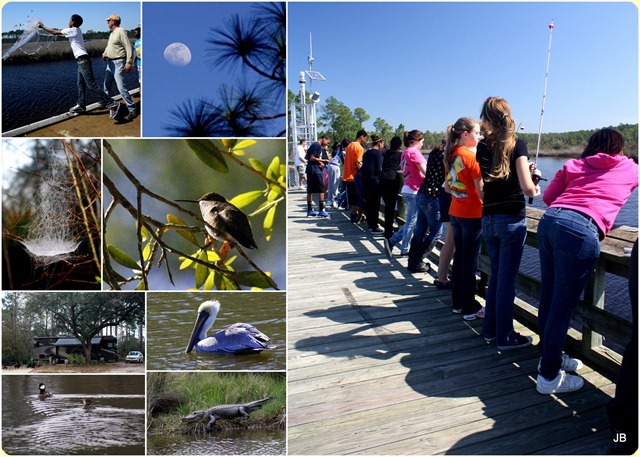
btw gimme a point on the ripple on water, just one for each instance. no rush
(234, 442)
(62, 424)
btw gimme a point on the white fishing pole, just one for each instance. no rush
(536, 175)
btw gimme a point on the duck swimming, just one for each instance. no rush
(43, 391)
(234, 339)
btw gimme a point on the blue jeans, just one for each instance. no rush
(406, 232)
(466, 238)
(86, 80)
(504, 236)
(569, 248)
(114, 72)
(428, 218)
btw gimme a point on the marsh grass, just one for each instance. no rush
(200, 391)
(59, 50)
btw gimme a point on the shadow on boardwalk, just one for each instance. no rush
(378, 364)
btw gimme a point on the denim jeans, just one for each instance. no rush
(466, 237)
(334, 182)
(86, 80)
(427, 219)
(406, 232)
(504, 236)
(114, 72)
(569, 248)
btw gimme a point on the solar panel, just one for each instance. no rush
(315, 75)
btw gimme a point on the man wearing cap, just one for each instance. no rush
(118, 56)
(86, 79)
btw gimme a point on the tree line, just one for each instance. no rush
(12, 35)
(82, 315)
(339, 121)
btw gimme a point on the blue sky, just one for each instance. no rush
(426, 64)
(167, 86)
(56, 14)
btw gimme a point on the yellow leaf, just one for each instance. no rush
(210, 282)
(175, 220)
(146, 251)
(268, 222)
(244, 144)
(229, 142)
(245, 199)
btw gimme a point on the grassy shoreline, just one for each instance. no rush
(58, 50)
(197, 391)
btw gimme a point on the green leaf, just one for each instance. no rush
(257, 165)
(208, 153)
(210, 282)
(175, 220)
(202, 271)
(121, 257)
(268, 222)
(253, 279)
(245, 199)
(145, 233)
(229, 142)
(274, 168)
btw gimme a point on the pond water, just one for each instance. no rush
(36, 91)
(232, 442)
(61, 424)
(170, 320)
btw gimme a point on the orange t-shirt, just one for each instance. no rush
(352, 155)
(465, 201)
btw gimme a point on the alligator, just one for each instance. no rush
(224, 412)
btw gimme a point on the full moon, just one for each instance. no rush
(177, 54)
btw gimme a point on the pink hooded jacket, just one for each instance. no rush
(597, 186)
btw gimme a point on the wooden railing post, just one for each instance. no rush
(593, 297)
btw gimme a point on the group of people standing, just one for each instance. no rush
(475, 183)
(119, 56)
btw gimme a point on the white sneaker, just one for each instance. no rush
(472, 317)
(568, 363)
(562, 383)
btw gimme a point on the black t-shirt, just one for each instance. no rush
(315, 150)
(391, 164)
(371, 164)
(502, 196)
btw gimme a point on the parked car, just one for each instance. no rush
(134, 356)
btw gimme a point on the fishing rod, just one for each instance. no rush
(536, 174)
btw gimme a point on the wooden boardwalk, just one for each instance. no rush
(378, 363)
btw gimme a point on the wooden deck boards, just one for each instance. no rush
(378, 364)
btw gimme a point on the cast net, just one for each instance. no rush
(52, 233)
(29, 38)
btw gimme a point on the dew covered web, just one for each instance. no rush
(52, 237)
(30, 38)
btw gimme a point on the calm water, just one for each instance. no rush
(170, 319)
(36, 91)
(61, 424)
(234, 442)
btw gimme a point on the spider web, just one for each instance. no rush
(51, 236)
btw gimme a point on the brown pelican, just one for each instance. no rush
(234, 339)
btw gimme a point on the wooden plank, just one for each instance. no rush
(378, 364)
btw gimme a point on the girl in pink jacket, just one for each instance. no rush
(584, 199)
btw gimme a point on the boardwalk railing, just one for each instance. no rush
(596, 323)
